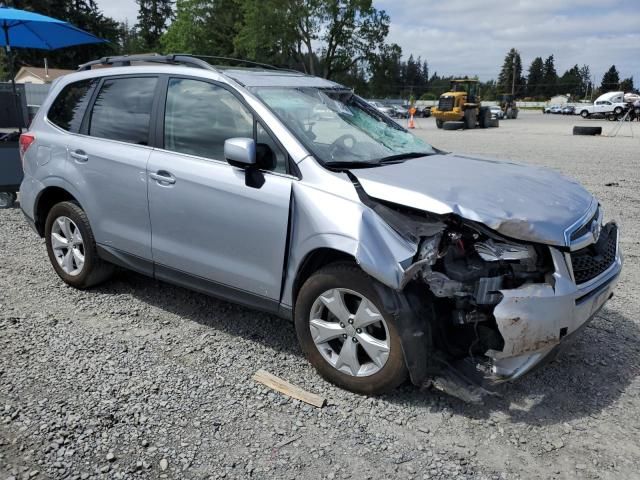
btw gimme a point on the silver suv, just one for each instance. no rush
(290, 194)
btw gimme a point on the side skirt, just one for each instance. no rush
(192, 282)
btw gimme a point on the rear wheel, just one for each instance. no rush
(584, 114)
(72, 247)
(485, 117)
(439, 123)
(617, 110)
(345, 332)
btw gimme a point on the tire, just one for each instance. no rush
(93, 270)
(453, 125)
(485, 117)
(470, 119)
(7, 199)
(612, 117)
(344, 283)
(617, 110)
(584, 114)
(439, 123)
(515, 114)
(494, 122)
(587, 130)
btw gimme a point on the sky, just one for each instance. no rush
(472, 37)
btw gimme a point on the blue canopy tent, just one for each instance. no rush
(24, 29)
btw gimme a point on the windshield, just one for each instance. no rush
(340, 128)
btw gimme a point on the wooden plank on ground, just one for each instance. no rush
(289, 389)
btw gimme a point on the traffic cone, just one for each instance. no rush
(411, 122)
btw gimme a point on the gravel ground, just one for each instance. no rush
(139, 379)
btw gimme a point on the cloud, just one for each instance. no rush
(120, 10)
(461, 37)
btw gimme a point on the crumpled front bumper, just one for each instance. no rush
(536, 319)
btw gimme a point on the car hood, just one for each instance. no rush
(522, 202)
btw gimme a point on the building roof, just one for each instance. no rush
(46, 75)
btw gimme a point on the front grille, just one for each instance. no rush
(591, 261)
(445, 104)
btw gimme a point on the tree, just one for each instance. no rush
(153, 16)
(571, 82)
(610, 80)
(204, 27)
(535, 78)
(325, 36)
(626, 85)
(386, 72)
(549, 77)
(130, 41)
(510, 76)
(585, 80)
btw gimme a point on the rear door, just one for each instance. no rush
(110, 157)
(209, 227)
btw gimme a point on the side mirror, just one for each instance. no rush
(240, 152)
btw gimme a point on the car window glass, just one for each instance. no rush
(278, 160)
(68, 108)
(122, 110)
(200, 116)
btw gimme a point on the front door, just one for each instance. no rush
(207, 224)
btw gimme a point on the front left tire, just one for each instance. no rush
(346, 334)
(72, 248)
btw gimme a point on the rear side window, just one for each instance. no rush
(68, 108)
(122, 110)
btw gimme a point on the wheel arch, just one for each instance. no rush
(45, 200)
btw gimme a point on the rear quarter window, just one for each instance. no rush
(122, 109)
(68, 108)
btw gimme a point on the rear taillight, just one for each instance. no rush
(26, 139)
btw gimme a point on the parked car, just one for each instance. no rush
(400, 111)
(393, 259)
(386, 109)
(424, 112)
(556, 109)
(496, 112)
(611, 102)
(568, 110)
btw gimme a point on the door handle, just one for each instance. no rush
(163, 177)
(79, 155)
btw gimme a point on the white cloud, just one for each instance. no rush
(471, 37)
(120, 10)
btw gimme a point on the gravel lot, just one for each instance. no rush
(139, 379)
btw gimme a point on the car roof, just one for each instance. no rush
(251, 77)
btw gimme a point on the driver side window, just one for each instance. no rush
(200, 116)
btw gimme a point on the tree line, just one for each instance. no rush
(343, 40)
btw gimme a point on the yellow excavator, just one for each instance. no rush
(460, 107)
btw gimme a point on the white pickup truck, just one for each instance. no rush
(606, 103)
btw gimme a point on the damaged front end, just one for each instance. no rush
(486, 308)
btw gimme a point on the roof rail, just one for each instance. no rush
(125, 61)
(246, 62)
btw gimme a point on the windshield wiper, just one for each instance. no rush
(402, 156)
(363, 164)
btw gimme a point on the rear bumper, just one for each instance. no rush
(29, 190)
(536, 320)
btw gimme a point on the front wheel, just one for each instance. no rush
(345, 332)
(584, 114)
(439, 123)
(72, 247)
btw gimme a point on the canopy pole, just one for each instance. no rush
(7, 47)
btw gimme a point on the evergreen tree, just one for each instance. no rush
(535, 78)
(549, 77)
(585, 80)
(626, 85)
(153, 16)
(510, 76)
(610, 80)
(571, 82)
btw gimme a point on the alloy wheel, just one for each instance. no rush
(68, 245)
(349, 332)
